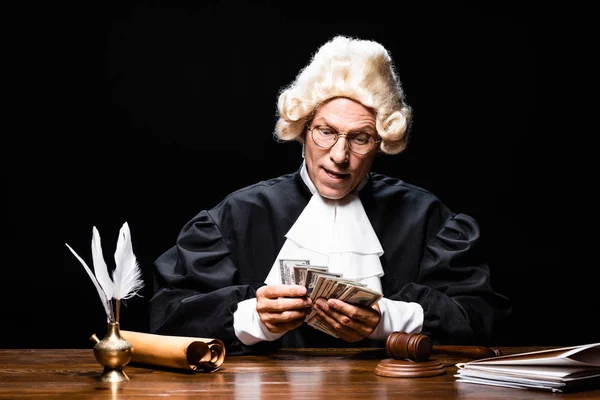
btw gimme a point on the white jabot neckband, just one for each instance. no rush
(332, 233)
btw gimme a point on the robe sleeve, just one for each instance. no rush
(195, 286)
(454, 288)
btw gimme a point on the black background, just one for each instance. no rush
(162, 108)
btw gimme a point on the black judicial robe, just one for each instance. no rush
(223, 255)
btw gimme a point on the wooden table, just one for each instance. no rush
(73, 374)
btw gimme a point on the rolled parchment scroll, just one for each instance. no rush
(190, 353)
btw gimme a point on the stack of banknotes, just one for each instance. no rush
(319, 282)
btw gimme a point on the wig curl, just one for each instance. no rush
(361, 70)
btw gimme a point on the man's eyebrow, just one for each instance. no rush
(363, 128)
(369, 128)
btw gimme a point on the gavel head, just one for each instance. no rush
(412, 346)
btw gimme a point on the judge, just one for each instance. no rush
(221, 279)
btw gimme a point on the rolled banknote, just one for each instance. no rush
(286, 269)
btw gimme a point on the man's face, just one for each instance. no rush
(337, 171)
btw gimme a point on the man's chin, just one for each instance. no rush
(331, 193)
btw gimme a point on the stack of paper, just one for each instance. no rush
(562, 369)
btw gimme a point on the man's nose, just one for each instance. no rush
(340, 151)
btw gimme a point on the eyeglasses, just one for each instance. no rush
(326, 137)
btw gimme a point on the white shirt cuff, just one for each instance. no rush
(247, 325)
(398, 316)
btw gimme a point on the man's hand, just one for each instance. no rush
(282, 307)
(351, 323)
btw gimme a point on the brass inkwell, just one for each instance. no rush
(113, 352)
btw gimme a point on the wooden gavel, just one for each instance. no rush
(418, 347)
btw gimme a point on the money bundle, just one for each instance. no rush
(319, 282)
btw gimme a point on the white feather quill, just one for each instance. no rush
(127, 278)
(127, 275)
(105, 300)
(100, 268)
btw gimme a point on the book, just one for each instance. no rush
(563, 369)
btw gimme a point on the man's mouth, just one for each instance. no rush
(336, 175)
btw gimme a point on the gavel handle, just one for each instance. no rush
(466, 351)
